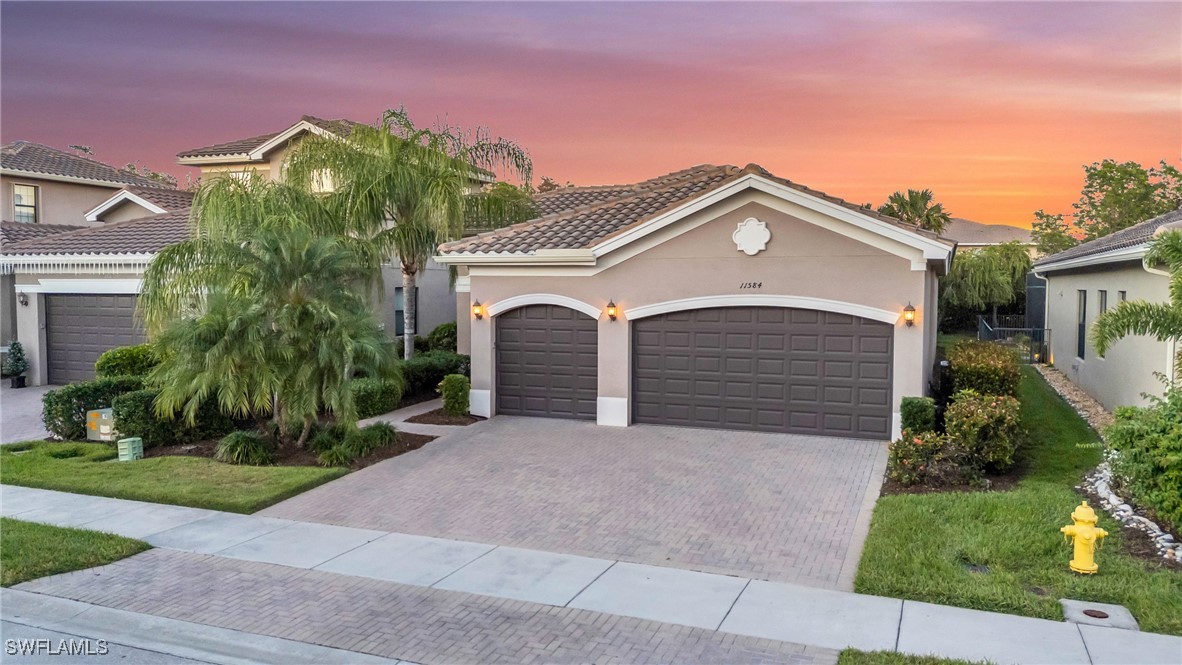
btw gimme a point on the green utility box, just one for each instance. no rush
(130, 449)
(100, 425)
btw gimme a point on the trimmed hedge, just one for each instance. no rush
(443, 338)
(135, 360)
(918, 414)
(135, 415)
(421, 345)
(64, 409)
(374, 397)
(455, 390)
(986, 427)
(1148, 454)
(423, 372)
(987, 368)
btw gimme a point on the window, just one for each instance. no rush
(1081, 325)
(1122, 295)
(322, 182)
(399, 310)
(1103, 304)
(24, 204)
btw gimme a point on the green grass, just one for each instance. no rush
(919, 545)
(29, 551)
(855, 657)
(86, 468)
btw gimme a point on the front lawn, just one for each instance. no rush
(87, 468)
(855, 657)
(1002, 551)
(29, 551)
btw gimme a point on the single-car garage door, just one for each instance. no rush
(764, 368)
(546, 362)
(78, 328)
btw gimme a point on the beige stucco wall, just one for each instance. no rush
(125, 211)
(1126, 372)
(60, 202)
(802, 260)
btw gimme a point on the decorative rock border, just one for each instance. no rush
(1099, 480)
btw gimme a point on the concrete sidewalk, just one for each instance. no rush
(733, 605)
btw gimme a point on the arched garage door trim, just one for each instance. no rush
(543, 299)
(759, 300)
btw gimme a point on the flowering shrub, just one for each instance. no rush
(989, 369)
(1148, 460)
(986, 428)
(927, 458)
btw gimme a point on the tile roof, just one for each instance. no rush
(340, 127)
(36, 158)
(14, 232)
(968, 232)
(142, 235)
(1135, 235)
(169, 199)
(582, 217)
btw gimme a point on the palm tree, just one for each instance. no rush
(1138, 317)
(916, 207)
(406, 189)
(265, 309)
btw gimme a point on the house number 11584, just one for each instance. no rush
(751, 285)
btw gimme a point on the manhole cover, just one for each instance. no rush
(1096, 614)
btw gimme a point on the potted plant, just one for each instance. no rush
(15, 365)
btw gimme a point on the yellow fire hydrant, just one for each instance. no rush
(1086, 536)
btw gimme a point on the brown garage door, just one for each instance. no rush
(764, 368)
(78, 328)
(546, 362)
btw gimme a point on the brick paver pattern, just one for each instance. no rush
(769, 506)
(394, 620)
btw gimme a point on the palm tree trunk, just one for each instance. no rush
(409, 310)
(304, 434)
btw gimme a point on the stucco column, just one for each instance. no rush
(615, 369)
(463, 321)
(30, 332)
(483, 357)
(908, 368)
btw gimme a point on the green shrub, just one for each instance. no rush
(338, 455)
(918, 414)
(986, 427)
(380, 434)
(14, 362)
(424, 372)
(455, 389)
(989, 369)
(245, 448)
(421, 345)
(135, 360)
(927, 458)
(443, 338)
(135, 415)
(374, 397)
(1148, 454)
(322, 441)
(64, 409)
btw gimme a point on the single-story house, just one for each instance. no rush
(716, 296)
(1083, 282)
(970, 235)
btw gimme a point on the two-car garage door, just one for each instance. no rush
(80, 327)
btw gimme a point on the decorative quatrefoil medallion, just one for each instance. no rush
(752, 236)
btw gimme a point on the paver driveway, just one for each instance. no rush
(770, 506)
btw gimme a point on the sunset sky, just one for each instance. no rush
(993, 106)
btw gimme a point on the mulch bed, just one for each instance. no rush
(1135, 542)
(438, 417)
(406, 442)
(991, 484)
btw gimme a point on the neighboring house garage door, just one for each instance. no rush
(546, 362)
(78, 328)
(764, 368)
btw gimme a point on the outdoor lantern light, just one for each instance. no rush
(909, 314)
(23, 299)
(611, 310)
(478, 310)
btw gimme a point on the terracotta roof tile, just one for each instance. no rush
(340, 127)
(1137, 234)
(968, 232)
(134, 236)
(583, 217)
(14, 232)
(36, 158)
(169, 199)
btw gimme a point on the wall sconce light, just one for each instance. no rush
(612, 310)
(909, 314)
(23, 299)
(478, 310)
